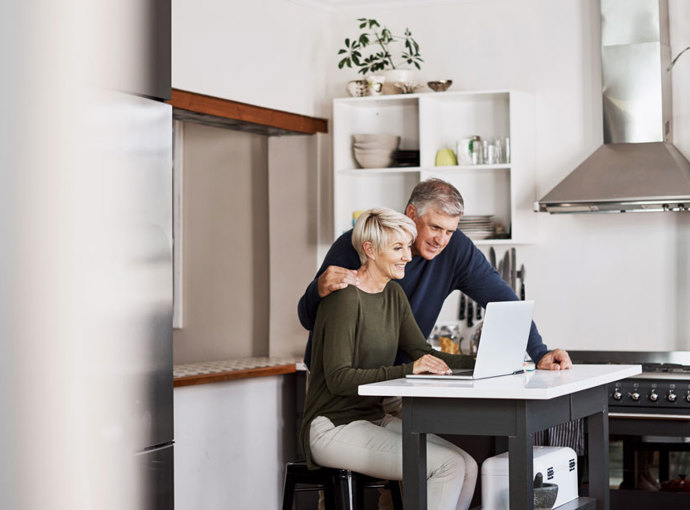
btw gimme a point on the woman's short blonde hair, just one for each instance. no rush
(376, 225)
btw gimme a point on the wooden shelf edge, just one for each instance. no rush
(196, 106)
(232, 375)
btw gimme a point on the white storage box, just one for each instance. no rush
(557, 465)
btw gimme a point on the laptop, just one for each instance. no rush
(502, 342)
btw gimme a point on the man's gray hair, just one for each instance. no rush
(439, 195)
(376, 225)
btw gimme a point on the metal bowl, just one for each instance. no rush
(439, 86)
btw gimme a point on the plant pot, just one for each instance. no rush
(398, 76)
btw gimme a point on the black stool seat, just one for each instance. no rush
(343, 489)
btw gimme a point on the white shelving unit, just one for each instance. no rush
(429, 122)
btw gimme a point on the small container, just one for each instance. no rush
(491, 155)
(498, 150)
(477, 152)
(507, 151)
(464, 151)
(449, 338)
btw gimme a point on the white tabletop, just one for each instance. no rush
(535, 385)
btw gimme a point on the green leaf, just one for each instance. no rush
(373, 23)
(342, 51)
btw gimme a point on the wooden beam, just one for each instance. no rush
(231, 375)
(242, 116)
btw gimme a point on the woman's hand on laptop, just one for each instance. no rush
(558, 359)
(430, 364)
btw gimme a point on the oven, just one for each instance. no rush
(649, 428)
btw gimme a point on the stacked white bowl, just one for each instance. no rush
(374, 150)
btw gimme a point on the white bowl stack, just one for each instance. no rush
(374, 151)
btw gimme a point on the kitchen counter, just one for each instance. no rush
(535, 385)
(204, 372)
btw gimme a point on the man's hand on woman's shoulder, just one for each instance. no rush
(336, 278)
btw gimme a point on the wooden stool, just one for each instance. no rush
(343, 489)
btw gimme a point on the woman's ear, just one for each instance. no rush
(369, 249)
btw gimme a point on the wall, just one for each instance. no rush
(266, 52)
(294, 220)
(600, 281)
(232, 440)
(226, 245)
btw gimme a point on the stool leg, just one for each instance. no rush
(357, 493)
(396, 496)
(288, 491)
(329, 498)
(343, 491)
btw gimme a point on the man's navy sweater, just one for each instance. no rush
(427, 283)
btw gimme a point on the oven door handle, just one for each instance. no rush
(648, 416)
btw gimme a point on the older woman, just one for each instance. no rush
(357, 332)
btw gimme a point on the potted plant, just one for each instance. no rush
(371, 51)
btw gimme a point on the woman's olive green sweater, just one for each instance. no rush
(356, 337)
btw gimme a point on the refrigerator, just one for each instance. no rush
(86, 388)
(148, 140)
(145, 140)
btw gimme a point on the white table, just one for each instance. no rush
(515, 406)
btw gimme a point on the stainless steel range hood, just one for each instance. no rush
(637, 168)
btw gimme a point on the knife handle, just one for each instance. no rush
(470, 313)
(461, 311)
(479, 312)
(522, 291)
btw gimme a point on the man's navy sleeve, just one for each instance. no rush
(341, 254)
(481, 282)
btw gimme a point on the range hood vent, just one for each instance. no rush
(637, 169)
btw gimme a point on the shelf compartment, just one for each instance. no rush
(393, 117)
(484, 192)
(448, 118)
(358, 193)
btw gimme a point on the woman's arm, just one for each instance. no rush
(412, 341)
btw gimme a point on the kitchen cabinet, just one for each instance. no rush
(429, 122)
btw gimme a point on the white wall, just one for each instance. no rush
(600, 281)
(264, 52)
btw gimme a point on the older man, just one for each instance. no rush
(444, 260)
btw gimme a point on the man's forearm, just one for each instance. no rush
(535, 346)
